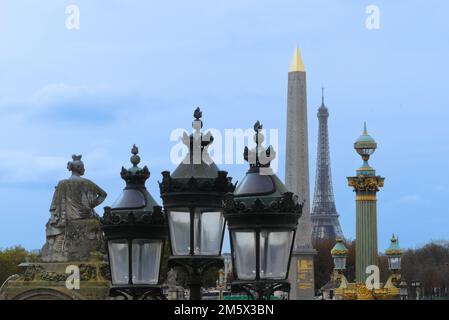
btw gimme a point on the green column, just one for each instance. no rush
(366, 188)
(366, 234)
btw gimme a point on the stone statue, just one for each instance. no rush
(73, 230)
(171, 278)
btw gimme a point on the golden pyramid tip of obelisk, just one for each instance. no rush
(297, 64)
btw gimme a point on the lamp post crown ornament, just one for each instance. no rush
(261, 191)
(135, 205)
(366, 180)
(394, 248)
(259, 157)
(135, 174)
(339, 249)
(365, 146)
(135, 159)
(197, 143)
(197, 172)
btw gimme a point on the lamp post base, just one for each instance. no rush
(302, 274)
(261, 289)
(359, 291)
(195, 266)
(137, 293)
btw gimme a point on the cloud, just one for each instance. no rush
(39, 133)
(27, 167)
(59, 104)
(22, 165)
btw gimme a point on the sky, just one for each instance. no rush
(136, 70)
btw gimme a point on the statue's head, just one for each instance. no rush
(76, 165)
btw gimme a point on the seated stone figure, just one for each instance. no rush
(73, 230)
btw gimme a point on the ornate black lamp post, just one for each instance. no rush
(262, 217)
(193, 201)
(135, 232)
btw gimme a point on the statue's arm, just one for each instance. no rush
(55, 207)
(101, 195)
(53, 201)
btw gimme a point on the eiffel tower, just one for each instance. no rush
(324, 215)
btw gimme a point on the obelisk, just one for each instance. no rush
(297, 180)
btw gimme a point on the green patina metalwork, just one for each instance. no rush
(366, 185)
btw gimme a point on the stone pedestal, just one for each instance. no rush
(80, 239)
(53, 281)
(302, 274)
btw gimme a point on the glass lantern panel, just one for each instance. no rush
(368, 151)
(274, 253)
(118, 256)
(403, 291)
(209, 228)
(146, 256)
(340, 263)
(394, 262)
(244, 245)
(179, 221)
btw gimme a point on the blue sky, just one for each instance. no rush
(136, 70)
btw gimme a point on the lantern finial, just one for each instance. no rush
(135, 174)
(135, 159)
(259, 156)
(394, 248)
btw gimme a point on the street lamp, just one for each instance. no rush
(135, 231)
(262, 216)
(338, 280)
(446, 293)
(394, 254)
(403, 290)
(193, 201)
(339, 253)
(417, 285)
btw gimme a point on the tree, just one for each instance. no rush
(10, 258)
(429, 265)
(324, 263)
